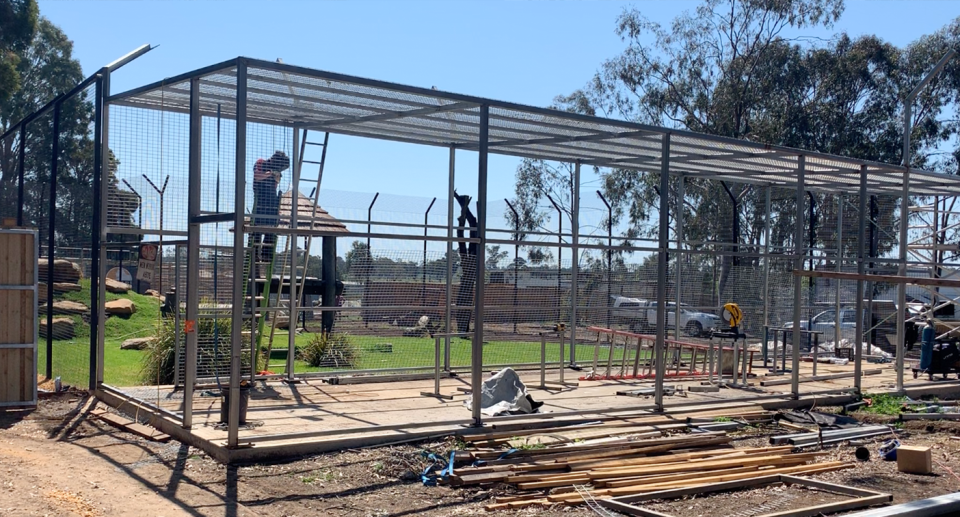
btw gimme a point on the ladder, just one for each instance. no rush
(301, 269)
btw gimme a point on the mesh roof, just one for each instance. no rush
(287, 95)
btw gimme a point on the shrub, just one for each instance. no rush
(329, 350)
(159, 362)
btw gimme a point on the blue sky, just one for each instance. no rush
(521, 51)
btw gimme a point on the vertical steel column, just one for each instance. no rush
(663, 243)
(575, 260)
(239, 202)
(766, 277)
(797, 280)
(837, 320)
(293, 314)
(449, 287)
(476, 363)
(902, 290)
(861, 269)
(51, 234)
(106, 168)
(193, 252)
(95, 235)
(679, 256)
(21, 158)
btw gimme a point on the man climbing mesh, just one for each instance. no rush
(266, 202)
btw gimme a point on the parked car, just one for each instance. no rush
(641, 315)
(882, 327)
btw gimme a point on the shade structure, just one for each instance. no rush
(305, 98)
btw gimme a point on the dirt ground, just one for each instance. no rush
(59, 461)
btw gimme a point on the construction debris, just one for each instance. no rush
(596, 461)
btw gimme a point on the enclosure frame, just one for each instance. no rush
(550, 134)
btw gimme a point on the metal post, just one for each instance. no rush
(101, 228)
(449, 287)
(663, 243)
(766, 277)
(797, 280)
(516, 257)
(292, 287)
(575, 258)
(51, 235)
(559, 259)
(177, 380)
(21, 157)
(193, 251)
(423, 274)
(95, 234)
(609, 261)
(678, 217)
(836, 341)
(236, 333)
(476, 364)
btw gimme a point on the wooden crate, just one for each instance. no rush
(18, 317)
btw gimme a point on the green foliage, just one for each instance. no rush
(159, 361)
(329, 350)
(18, 23)
(887, 404)
(723, 419)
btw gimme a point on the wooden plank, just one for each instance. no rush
(891, 279)
(130, 426)
(145, 431)
(815, 378)
(842, 506)
(628, 509)
(829, 487)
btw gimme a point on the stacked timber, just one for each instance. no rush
(610, 459)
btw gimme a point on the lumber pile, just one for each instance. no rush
(559, 466)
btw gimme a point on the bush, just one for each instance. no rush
(329, 350)
(159, 362)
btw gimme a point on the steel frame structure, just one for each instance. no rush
(250, 90)
(256, 91)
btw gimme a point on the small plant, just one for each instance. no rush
(530, 446)
(378, 467)
(886, 404)
(213, 348)
(308, 479)
(330, 350)
(723, 419)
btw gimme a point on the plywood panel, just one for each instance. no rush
(18, 318)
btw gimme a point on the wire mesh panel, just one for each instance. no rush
(10, 175)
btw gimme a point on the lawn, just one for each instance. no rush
(123, 367)
(71, 358)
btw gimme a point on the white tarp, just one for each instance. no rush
(503, 393)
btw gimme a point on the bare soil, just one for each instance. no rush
(59, 461)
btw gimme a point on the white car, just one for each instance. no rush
(642, 315)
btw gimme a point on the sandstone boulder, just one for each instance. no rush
(137, 343)
(58, 287)
(63, 270)
(68, 307)
(63, 328)
(121, 307)
(116, 286)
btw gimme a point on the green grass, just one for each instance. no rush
(123, 367)
(71, 358)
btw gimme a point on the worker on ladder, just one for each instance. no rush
(266, 202)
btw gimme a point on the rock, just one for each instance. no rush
(58, 287)
(116, 287)
(68, 307)
(121, 307)
(152, 292)
(63, 270)
(63, 328)
(137, 343)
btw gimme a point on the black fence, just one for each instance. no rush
(50, 170)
